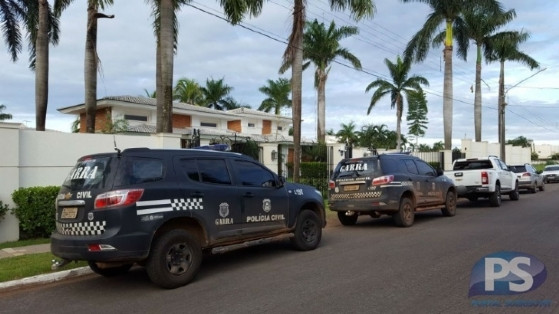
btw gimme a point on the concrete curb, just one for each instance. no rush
(46, 278)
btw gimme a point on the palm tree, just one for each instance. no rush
(150, 95)
(293, 57)
(372, 136)
(11, 11)
(215, 94)
(42, 28)
(91, 59)
(188, 91)
(505, 48)
(401, 84)
(480, 26)
(4, 116)
(166, 30)
(447, 12)
(278, 95)
(321, 46)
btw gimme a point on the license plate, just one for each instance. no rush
(353, 187)
(69, 213)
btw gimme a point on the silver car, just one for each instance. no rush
(528, 178)
(551, 173)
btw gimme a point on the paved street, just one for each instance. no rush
(372, 267)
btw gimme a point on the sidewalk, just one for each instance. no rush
(45, 278)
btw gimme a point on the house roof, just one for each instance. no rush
(178, 107)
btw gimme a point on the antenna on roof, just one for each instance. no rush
(116, 148)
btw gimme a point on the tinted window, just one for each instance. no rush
(390, 165)
(518, 168)
(134, 170)
(190, 168)
(213, 171)
(89, 174)
(251, 174)
(424, 168)
(480, 164)
(410, 166)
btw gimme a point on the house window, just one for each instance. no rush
(208, 124)
(135, 117)
(251, 125)
(280, 128)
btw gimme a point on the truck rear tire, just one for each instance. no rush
(406, 213)
(495, 197)
(515, 195)
(174, 259)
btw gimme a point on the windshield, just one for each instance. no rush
(89, 173)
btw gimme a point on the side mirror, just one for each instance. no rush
(281, 181)
(440, 172)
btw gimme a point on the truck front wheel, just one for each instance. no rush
(174, 259)
(308, 231)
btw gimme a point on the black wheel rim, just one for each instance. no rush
(309, 231)
(178, 259)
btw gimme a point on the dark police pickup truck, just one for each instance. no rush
(163, 208)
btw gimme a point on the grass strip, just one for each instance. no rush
(18, 267)
(24, 243)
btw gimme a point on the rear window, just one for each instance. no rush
(551, 168)
(89, 174)
(357, 168)
(518, 168)
(468, 164)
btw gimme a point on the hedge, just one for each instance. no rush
(3, 210)
(35, 210)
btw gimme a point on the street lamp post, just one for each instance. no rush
(502, 104)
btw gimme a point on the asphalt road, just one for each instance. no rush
(372, 267)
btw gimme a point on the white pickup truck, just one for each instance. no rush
(486, 177)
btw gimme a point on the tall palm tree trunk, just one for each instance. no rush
(296, 84)
(42, 67)
(501, 106)
(399, 110)
(165, 87)
(321, 108)
(447, 88)
(477, 97)
(90, 68)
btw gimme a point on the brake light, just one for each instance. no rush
(484, 177)
(526, 174)
(383, 180)
(331, 184)
(118, 198)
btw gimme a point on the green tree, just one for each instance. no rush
(11, 12)
(4, 116)
(417, 114)
(321, 47)
(150, 95)
(505, 48)
(520, 141)
(216, 94)
(91, 63)
(347, 134)
(400, 85)
(447, 12)
(373, 136)
(277, 93)
(293, 58)
(480, 27)
(188, 91)
(166, 32)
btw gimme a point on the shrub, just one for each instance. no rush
(35, 210)
(3, 210)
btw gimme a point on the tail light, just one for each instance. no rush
(383, 180)
(331, 184)
(484, 177)
(526, 174)
(118, 198)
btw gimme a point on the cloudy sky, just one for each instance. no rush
(247, 56)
